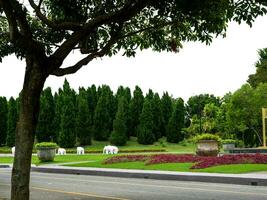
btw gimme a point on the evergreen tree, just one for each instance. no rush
(3, 120)
(101, 120)
(83, 125)
(176, 123)
(157, 116)
(11, 122)
(167, 107)
(126, 93)
(45, 130)
(135, 110)
(145, 133)
(67, 135)
(58, 107)
(92, 102)
(119, 133)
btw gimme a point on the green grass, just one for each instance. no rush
(179, 167)
(132, 145)
(62, 159)
(95, 160)
(235, 169)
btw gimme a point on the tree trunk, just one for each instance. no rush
(29, 109)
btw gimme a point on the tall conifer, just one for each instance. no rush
(145, 133)
(119, 133)
(176, 122)
(11, 122)
(45, 130)
(3, 120)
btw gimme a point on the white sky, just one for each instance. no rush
(216, 69)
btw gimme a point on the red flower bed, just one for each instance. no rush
(172, 158)
(200, 161)
(230, 159)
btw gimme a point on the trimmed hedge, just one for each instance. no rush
(74, 151)
(46, 145)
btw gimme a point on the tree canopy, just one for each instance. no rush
(44, 32)
(53, 28)
(261, 69)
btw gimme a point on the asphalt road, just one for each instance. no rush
(79, 187)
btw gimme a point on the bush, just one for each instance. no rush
(117, 138)
(208, 136)
(228, 141)
(46, 145)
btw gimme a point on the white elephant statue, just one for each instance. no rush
(80, 150)
(110, 149)
(61, 151)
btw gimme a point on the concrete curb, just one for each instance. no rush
(4, 166)
(160, 175)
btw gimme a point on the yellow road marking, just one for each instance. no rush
(73, 193)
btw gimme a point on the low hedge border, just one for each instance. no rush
(7, 151)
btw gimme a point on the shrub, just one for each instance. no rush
(207, 136)
(228, 141)
(46, 145)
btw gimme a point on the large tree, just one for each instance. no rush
(45, 32)
(261, 70)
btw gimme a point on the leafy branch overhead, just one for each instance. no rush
(51, 29)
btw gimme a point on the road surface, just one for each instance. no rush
(79, 187)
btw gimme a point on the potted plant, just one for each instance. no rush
(228, 144)
(207, 144)
(46, 151)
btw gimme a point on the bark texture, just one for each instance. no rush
(25, 132)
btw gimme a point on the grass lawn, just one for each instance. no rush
(62, 159)
(132, 145)
(181, 167)
(95, 160)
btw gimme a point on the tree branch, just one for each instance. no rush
(131, 8)
(56, 26)
(72, 69)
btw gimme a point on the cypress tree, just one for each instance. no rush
(45, 130)
(11, 122)
(157, 116)
(145, 133)
(119, 133)
(83, 126)
(58, 107)
(126, 94)
(101, 120)
(67, 135)
(3, 120)
(176, 122)
(135, 110)
(167, 107)
(92, 102)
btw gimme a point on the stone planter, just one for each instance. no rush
(45, 154)
(207, 148)
(228, 146)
